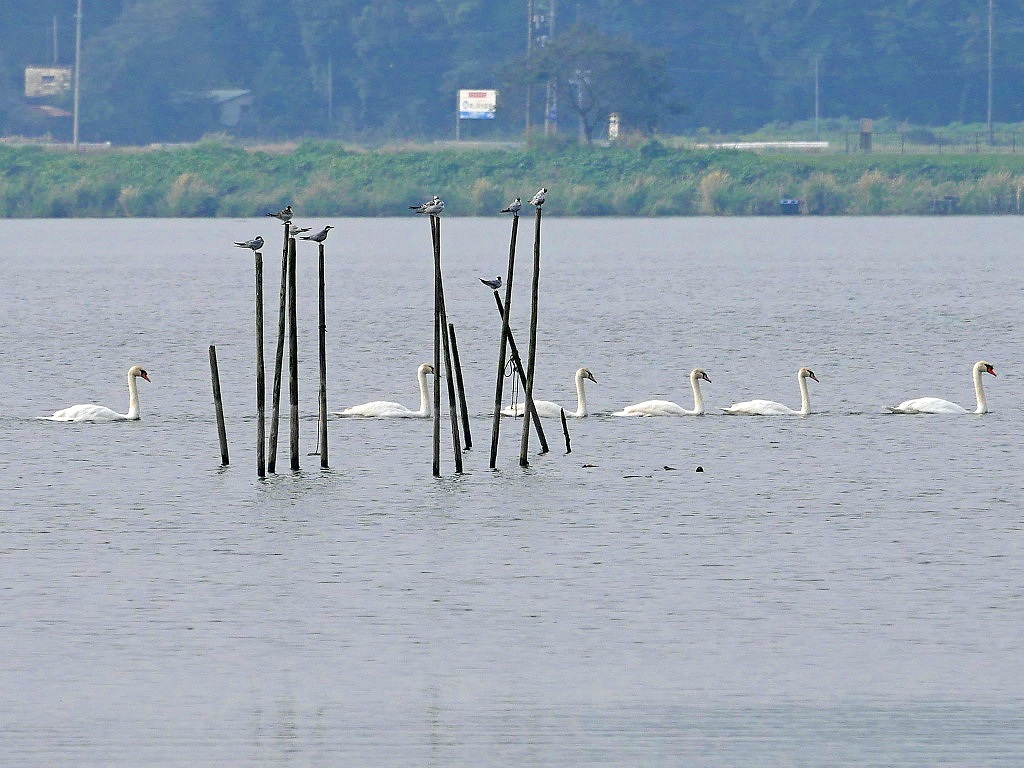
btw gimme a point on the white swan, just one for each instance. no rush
(668, 408)
(548, 409)
(90, 412)
(938, 405)
(386, 409)
(771, 408)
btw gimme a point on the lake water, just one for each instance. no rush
(845, 589)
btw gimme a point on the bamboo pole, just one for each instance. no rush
(322, 437)
(529, 409)
(463, 408)
(261, 383)
(502, 346)
(222, 433)
(524, 444)
(293, 359)
(275, 418)
(435, 238)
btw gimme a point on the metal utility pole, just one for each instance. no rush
(535, 19)
(529, 62)
(991, 134)
(550, 97)
(78, 71)
(817, 98)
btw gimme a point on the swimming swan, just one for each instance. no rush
(668, 408)
(771, 408)
(938, 405)
(90, 412)
(548, 409)
(387, 409)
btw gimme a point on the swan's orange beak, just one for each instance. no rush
(144, 375)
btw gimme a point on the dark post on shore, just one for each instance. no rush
(323, 366)
(524, 444)
(463, 408)
(261, 394)
(503, 344)
(275, 418)
(222, 432)
(293, 358)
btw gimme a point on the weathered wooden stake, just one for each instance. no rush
(463, 408)
(565, 431)
(322, 438)
(524, 444)
(261, 382)
(293, 358)
(530, 410)
(435, 237)
(222, 432)
(452, 411)
(499, 383)
(275, 418)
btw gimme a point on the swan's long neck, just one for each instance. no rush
(424, 394)
(581, 397)
(698, 399)
(805, 396)
(979, 392)
(133, 399)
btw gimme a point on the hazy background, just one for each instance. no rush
(385, 70)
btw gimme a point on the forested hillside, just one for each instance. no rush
(390, 69)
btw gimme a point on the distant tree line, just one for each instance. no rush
(390, 69)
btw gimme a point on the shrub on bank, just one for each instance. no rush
(321, 179)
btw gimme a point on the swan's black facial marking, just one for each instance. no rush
(810, 375)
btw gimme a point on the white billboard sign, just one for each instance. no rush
(477, 105)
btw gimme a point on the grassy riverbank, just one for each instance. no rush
(323, 179)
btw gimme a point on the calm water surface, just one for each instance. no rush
(845, 589)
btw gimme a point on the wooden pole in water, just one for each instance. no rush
(293, 358)
(322, 440)
(463, 408)
(565, 431)
(452, 409)
(275, 418)
(502, 346)
(222, 432)
(524, 444)
(261, 383)
(529, 408)
(435, 238)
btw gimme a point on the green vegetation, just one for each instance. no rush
(380, 70)
(648, 179)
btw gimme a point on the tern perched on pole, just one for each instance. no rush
(432, 207)
(285, 214)
(494, 284)
(320, 236)
(421, 208)
(513, 207)
(255, 244)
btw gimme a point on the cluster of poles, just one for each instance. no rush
(266, 451)
(445, 345)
